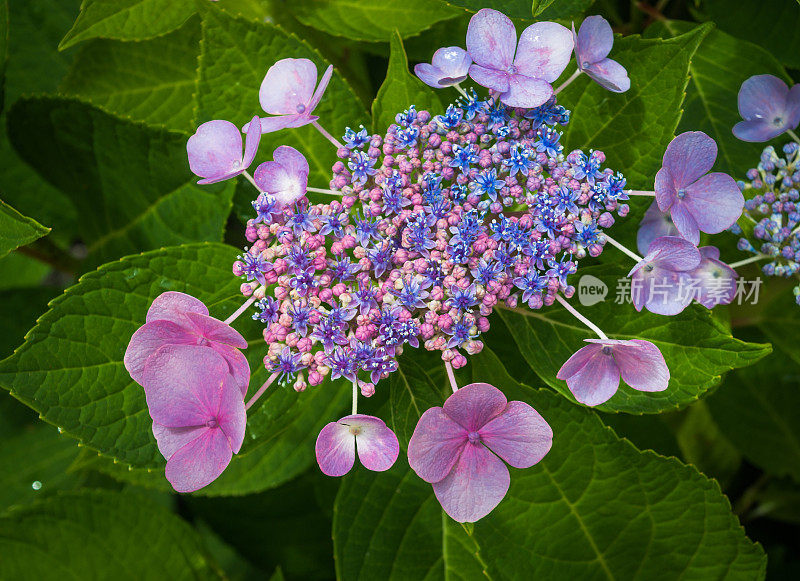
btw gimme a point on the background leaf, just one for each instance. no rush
(400, 90)
(127, 19)
(634, 128)
(103, 535)
(17, 230)
(130, 183)
(70, 370)
(152, 81)
(374, 20)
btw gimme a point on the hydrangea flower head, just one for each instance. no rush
(520, 73)
(285, 178)
(176, 318)
(449, 66)
(461, 448)
(288, 92)
(593, 42)
(769, 108)
(593, 372)
(696, 200)
(660, 282)
(215, 150)
(198, 413)
(338, 442)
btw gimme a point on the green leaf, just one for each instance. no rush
(758, 409)
(131, 183)
(634, 128)
(19, 308)
(70, 370)
(561, 9)
(34, 463)
(720, 66)
(3, 50)
(594, 508)
(698, 349)
(779, 322)
(528, 9)
(152, 81)
(772, 24)
(127, 19)
(18, 271)
(236, 55)
(400, 90)
(17, 230)
(411, 392)
(104, 535)
(371, 21)
(703, 444)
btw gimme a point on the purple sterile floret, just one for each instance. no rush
(662, 282)
(520, 73)
(338, 442)
(287, 92)
(716, 280)
(768, 107)
(215, 150)
(696, 200)
(176, 318)
(593, 42)
(449, 66)
(198, 413)
(593, 372)
(460, 448)
(285, 178)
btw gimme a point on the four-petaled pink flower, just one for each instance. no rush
(287, 91)
(662, 281)
(215, 150)
(449, 66)
(198, 413)
(286, 178)
(520, 73)
(458, 448)
(592, 373)
(176, 318)
(696, 200)
(593, 42)
(769, 108)
(337, 442)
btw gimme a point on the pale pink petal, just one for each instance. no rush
(491, 39)
(675, 253)
(475, 404)
(217, 331)
(715, 202)
(150, 337)
(685, 223)
(475, 486)
(596, 381)
(288, 84)
(490, 78)
(274, 178)
(519, 435)
(200, 462)
(435, 445)
(231, 416)
(251, 142)
(577, 361)
(238, 366)
(376, 445)
(642, 366)
(291, 159)
(526, 92)
(173, 306)
(662, 291)
(453, 62)
(429, 74)
(594, 41)
(545, 49)
(665, 189)
(182, 384)
(170, 440)
(711, 252)
(335, 449)
(270, 124)
(215, 150)
(690, 156)
(654, 225)
(323, 84)
(717, 280)
(610, 75)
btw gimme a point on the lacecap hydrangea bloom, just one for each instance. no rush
(426, 229)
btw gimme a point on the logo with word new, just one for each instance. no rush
(591, 290)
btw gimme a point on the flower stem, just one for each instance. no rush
(580, 317)
(251, 180)
(323, 191)
(621, 247)
(240, 310)
(458, 88)
(327, 135)
(750, 260)
(639, 193)
(261, 391)
(793, 135)
(567, 82)
(355, 397)
(451, 376)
